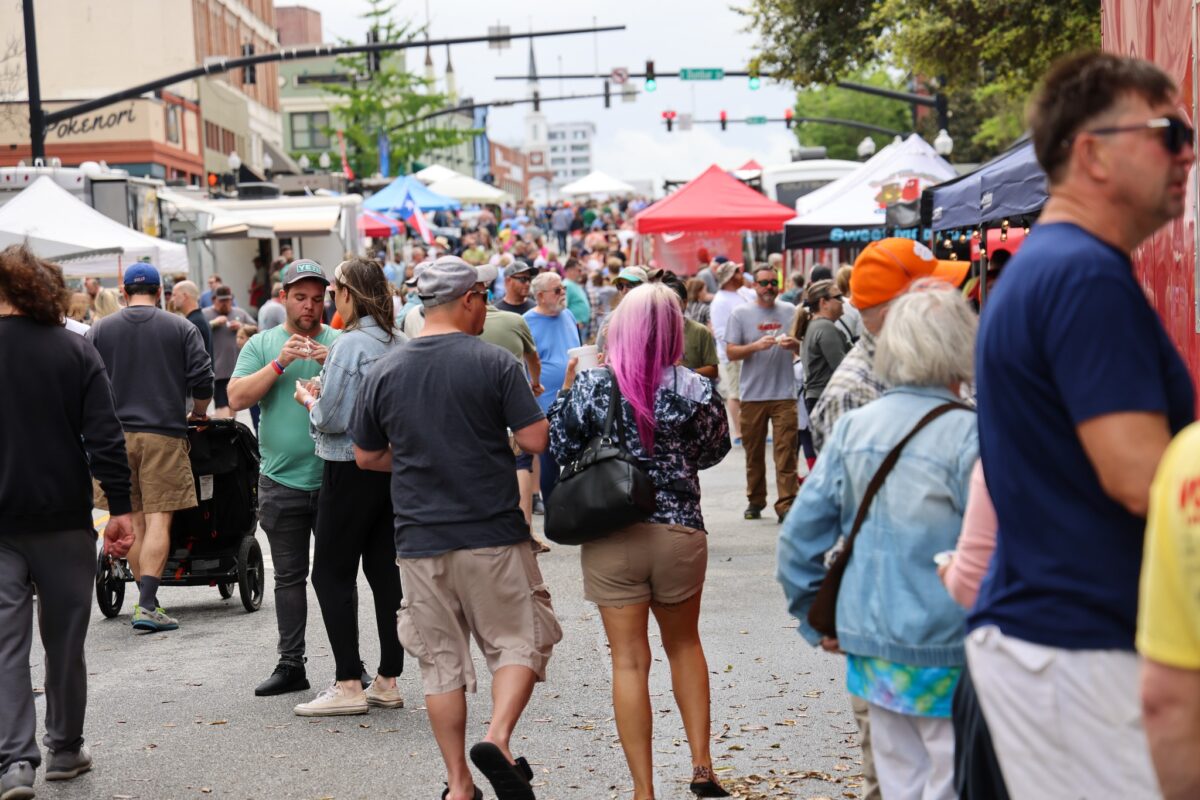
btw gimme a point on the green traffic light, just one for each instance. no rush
(651, 84)
(754, 82)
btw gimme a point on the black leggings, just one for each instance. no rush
(355, 520)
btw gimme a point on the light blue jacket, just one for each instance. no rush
(892, 604)
(349, 360)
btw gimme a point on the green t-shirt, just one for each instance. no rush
(699, 346)
(577, 302)
(510, 331)
(287, 449)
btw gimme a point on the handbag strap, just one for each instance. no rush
(889, 462)
(614, 401)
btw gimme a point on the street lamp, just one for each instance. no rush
(268, 162)
(324, 161)
(943, 144)
(866, 148)
(304, 162)
(235, 164)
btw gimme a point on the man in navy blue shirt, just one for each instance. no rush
(1080, 390)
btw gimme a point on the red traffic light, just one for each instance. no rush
(787, 117)
(724, 120)
(668, 115)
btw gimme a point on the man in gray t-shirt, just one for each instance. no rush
(225, 320)
(757, 335)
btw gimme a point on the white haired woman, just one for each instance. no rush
(903, 635)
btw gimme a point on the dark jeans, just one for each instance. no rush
(355, 521)
(63, 567)
(549, 477)
(288, 516)
(976, 771)
(805, 440)
(562, 242)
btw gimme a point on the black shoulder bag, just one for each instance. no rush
(601, 491)
(822, 615)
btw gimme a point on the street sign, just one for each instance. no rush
(701, 74)
(756, 120)
(620, 75)
(629, 93)
(685, 122)
(499, 30)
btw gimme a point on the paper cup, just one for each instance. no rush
(587, 355)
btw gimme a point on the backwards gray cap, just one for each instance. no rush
(446, 279)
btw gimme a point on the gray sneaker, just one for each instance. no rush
(156, 620)
(62, 765)
(17, 782)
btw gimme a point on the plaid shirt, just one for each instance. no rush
(853, 385)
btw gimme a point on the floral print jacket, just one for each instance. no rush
(692, 434)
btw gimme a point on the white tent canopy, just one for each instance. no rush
(597, 183)
(269, 218)
(435, 173)
(56, 224)
(469, 190)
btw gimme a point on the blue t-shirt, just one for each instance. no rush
(554, 336)
(1067, 336)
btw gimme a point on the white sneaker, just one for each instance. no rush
(384, 698)
(334, 701)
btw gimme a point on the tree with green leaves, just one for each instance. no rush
(986, 56)
(383, 97)
(841, 141)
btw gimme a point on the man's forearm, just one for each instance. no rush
(737, 352)
(535, 368)
(200, 405)
(246, 391)
(375, 460)
(1171, 717)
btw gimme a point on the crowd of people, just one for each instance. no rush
(964, 500)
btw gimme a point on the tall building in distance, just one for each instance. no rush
(570, 150)
(537, 141)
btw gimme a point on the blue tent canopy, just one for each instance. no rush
(1010, 185)
(389, 198)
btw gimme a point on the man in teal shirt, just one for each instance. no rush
(577, 297)
(267, 370)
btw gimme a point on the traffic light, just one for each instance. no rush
(754, 79)
(787, 117)
(248, 75)
(651, 83)
(669, 116)
(607, 96)
(537, 101)
(373, 56)
(724, 120)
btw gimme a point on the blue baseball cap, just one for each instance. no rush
(142, 274)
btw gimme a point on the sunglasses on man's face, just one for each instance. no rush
(522, 278)
(767, 283)
(1176, 134)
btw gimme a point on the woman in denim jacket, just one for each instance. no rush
(354, 508)
(901, 631)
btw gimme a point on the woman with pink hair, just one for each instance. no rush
(674, 424)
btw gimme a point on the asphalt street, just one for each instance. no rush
(174, 715)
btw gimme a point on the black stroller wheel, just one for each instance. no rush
(110, 587)
(252, 577)
(226, 590)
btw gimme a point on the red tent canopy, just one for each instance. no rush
(715, 201)
(751, 164)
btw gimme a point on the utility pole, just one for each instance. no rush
(37, 125)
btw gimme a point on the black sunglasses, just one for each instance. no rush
(1176, 134)
(767, 283)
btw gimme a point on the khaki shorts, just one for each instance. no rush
(161, 473)
(730, 380)
(495, 594)
(644, 562)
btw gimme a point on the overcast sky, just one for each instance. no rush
(631, 142)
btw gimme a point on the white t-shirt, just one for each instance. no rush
(722, 306)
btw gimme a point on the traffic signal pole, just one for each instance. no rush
(40, 121)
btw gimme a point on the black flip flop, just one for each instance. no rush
(478, 793)
(510, 781)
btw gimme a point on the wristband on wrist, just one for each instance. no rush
(275, 365)
(308, 404)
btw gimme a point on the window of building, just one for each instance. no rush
(580, 160)
(579, 173)
(580, 148)
(308, 130)
(172, 112)
(555, 135)
(557, 162)
(579, 135)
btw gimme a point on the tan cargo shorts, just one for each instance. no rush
(160, 473)
(495, 594)
(645, 562)
(730, 380)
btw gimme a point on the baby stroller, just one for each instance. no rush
(212, 544)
